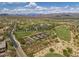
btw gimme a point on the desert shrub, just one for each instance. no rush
(51, 50)
(65, 52)
(69, 50)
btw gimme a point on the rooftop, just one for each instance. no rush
(1, 31)
(2, 44)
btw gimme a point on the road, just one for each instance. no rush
(16, 44)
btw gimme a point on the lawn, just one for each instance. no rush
(21, 34)
(53, 55)
(63, 33)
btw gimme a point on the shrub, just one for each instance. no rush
(65, 52)
(51, 50)
(69, 50)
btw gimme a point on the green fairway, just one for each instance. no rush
(21, 34)
(63, 33)
(53, 55)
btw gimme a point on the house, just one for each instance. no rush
(3, 47)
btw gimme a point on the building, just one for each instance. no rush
(3, 45)
(3, 49)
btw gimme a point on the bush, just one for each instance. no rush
(69, 50)
(51, 50)
(31, 55)
(22, 41)
(54, 36)
(56, 40)
(45, 43)
(65, 52)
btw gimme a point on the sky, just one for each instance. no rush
(38, 7)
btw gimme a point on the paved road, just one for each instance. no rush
(16, 44)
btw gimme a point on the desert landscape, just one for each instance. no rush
(39, 35)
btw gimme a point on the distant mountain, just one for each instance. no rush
(56, 15)
(32, 14)
(19, 14)
(4, 14)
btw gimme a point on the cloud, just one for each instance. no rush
(4, 3)
(32, 7)
(32, 4)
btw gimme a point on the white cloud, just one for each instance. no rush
(4, 3)
(31, 4)
(67, 6)
(5, 9)
(32, 7)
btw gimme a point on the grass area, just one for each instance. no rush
(10, 46)
(21, 34)
(63, 33)
(53, 55)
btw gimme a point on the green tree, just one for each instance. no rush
(69, 50)
(65, 52)
(51, 50)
